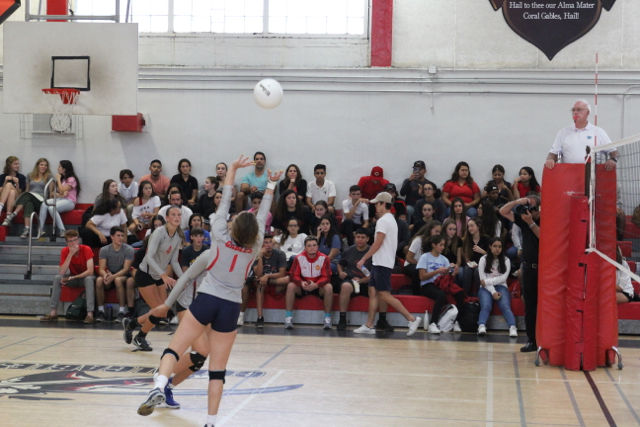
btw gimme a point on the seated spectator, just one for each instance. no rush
(206, 205)
(371, 185)
(488, 214)
(463, 186)
(76, 270)
(505, 193)
(475, 244)
(431, 266)
(252, 182)
(293, 181)
(428, 211)
(310, 275)
(33, 196)
(457, 214)
(187, 182)
(494, 270)
(99, 226)
(160, 182)
(173, 188)
(624, 288)
(217, 198)
(114, 270)
(452, 244)
(221, 173)
(321, 189)
(109, 191)
(353, 281)
(256, 201)
(127, 188)
(320, 209)
(175, 199)
(413, 256)
(329, 242)
(196, 221)
(428, 195)
(356, 213)
(145, 207)
(515, 251)
(68, 190)
(291, 241)
(268, 272)
(157, 221)
(492, 194)
(288, 207)
(411, 186)
(399, 208)
(12, 183)
(525, 183)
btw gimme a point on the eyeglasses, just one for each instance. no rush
(578, 110)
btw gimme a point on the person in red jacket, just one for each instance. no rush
(310, 275)
(371, 185)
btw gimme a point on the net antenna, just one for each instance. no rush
(62, 100)
(627, 178)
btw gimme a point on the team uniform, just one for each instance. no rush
(162, 249)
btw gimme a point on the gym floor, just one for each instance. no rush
(69, 374)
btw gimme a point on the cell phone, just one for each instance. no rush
(416, 170)
(472, 264)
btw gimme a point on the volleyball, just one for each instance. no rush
(268, 93)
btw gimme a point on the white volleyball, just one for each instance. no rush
(268, 93)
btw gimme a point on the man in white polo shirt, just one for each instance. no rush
(573, 140)
(383, 252)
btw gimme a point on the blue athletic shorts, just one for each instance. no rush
(380, 278)
(220, 313)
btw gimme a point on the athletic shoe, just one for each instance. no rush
(482, 330)
(61, 233)
(327, 323)
(456, 327)
(141, 343)
(383, 326)
(38, 235)
(364, 329)
(120, 317)
(128, 334)
(155, 397)
(288, 322)
(100, 316)
(260, 323)
(413, 326)
(175, 320)
(342, 324)
(89, 319)
(25, 233)
(529, 347)
(8, 219)
(168, 393)
(513, 331)
(433, 329)
(163, 321)
(241, 319)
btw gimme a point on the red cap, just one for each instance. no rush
(377, 172)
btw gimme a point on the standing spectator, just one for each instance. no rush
(293, 181)
(99, 226)
(33, 196)
(428, 195)
(353, 282)
(114, 265)
(145, 207)
(371, 185)
(463, 186)
(127, 188)
(252, 182)
(356, 213)
(188, 183)
(160, 182)
(383, 253)
(411, 186)
(76, 270)
(12, 183)
(525, 183)
(68, 190)
(321, 189)
(175, 199)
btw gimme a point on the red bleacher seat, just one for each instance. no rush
(625, 247)
(73, 217)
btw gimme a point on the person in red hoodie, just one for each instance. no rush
(310, 275)
(371, 185)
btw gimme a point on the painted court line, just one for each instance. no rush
(44, 348)
(624, 397)
(9, 345)
(249, 399)
(572, 397)
(489, 414)
(600, 400)
(523, 419)
(273, 357)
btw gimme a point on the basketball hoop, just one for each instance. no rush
(62, 102)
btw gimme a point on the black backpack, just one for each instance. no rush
(78, 309)
(468, 317)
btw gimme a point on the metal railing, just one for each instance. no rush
(27, 275)
(54, 233)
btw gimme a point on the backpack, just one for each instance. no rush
(78, 309)
(447, 318)
(636, 217)
(468, 319)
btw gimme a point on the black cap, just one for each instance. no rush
(419, 164)
(390, 187)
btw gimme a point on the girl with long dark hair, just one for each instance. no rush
(462, 185)
(525, 183)
(68, 189)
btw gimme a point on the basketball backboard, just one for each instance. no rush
(99, 59)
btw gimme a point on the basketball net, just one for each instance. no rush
(62, 102)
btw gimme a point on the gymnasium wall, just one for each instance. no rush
(493, 99)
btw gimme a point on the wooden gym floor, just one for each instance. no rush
(67, 374)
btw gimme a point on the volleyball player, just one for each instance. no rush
(219, 297)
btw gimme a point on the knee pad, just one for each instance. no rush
(198, 361)
(217, 375)
(169, 351)
(153, 319)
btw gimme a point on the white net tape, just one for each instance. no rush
(62, 104)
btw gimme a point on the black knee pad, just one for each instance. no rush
(169, 351)
(153, 319)
(198, 361)
(217, 375)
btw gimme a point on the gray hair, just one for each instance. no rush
(584, 101)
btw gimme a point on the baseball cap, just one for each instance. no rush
(390, 187)
(491, 186)
(419, 164)
(383, 197)
(377, 172)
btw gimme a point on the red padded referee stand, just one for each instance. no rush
(577, 310)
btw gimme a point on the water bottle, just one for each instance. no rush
(109, 313)
(365, 271)
(356, 286)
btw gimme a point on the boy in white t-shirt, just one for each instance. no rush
(356, 213)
